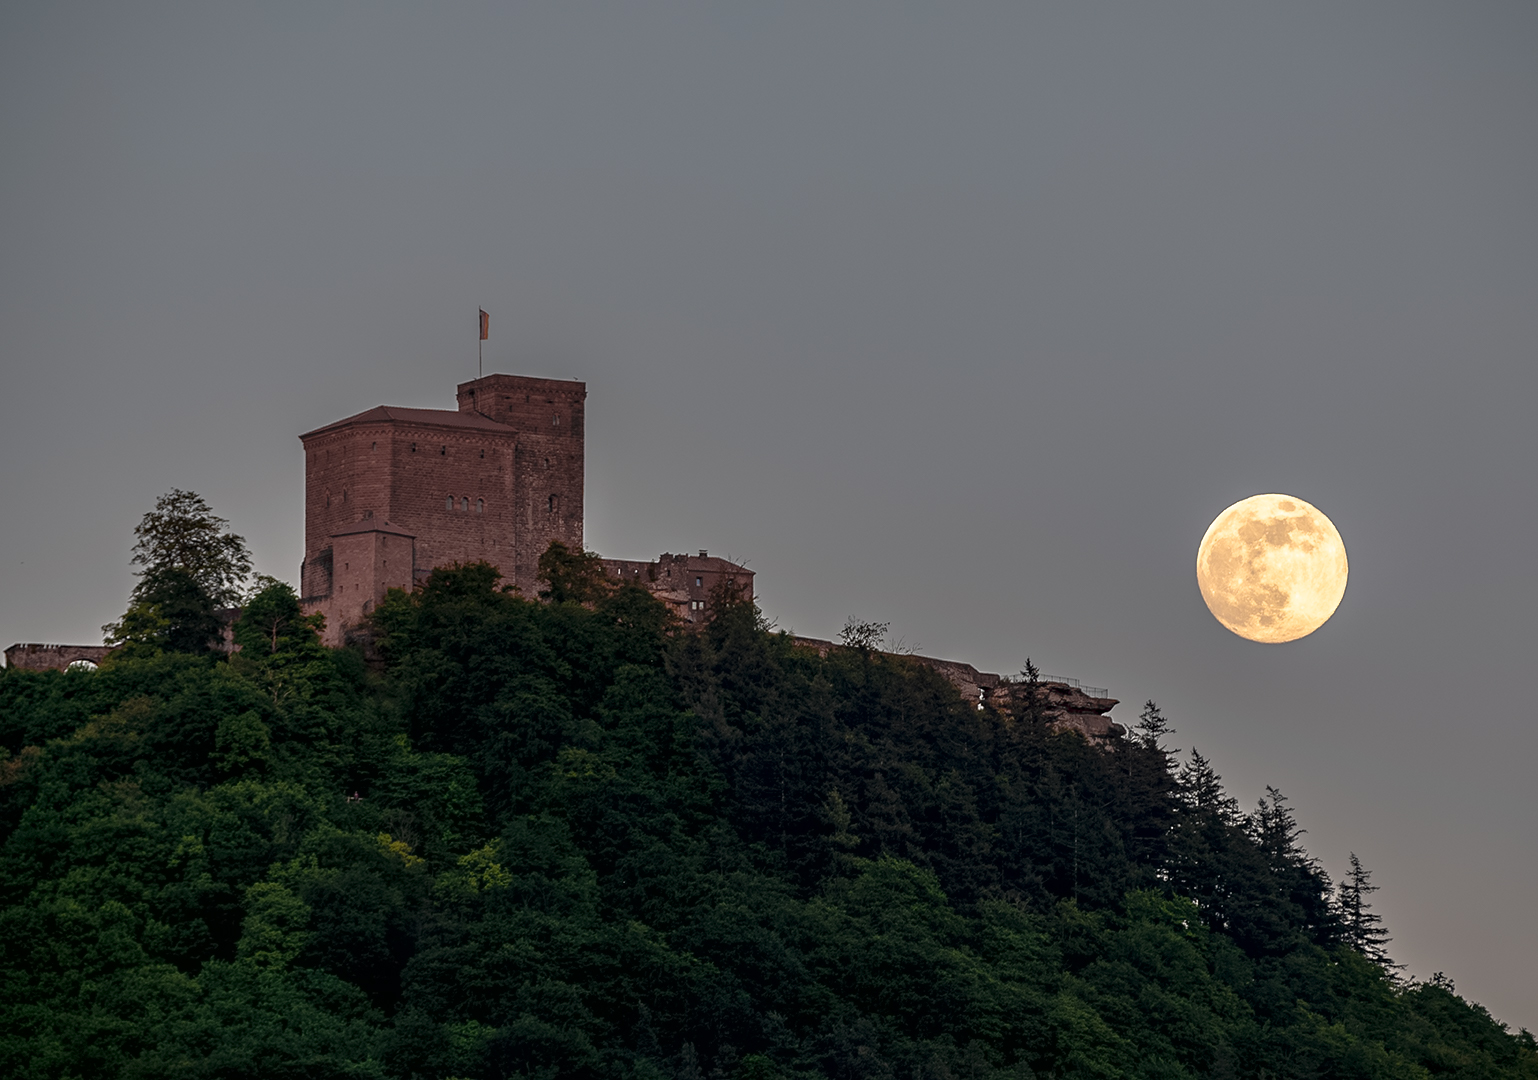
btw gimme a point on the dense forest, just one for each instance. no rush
(563, 836)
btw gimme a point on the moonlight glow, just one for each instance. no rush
(1272, 568)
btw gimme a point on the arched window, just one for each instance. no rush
(448, 504)
(464, 504)
(443, 451)
(480, 506)
(555, 421)
(555, 501)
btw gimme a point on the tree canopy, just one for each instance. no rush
(183, 534)
(573, 838)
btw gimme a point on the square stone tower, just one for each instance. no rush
(392, 493)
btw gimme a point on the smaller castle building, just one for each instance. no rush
(686, 583)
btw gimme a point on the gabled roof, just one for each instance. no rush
(394, 414)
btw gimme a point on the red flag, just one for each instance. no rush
(485, 325)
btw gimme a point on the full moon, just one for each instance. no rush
(1272, 568)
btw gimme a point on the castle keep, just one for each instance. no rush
(391, 493)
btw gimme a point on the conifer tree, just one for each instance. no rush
(1201, 789)
(1152, 727)
(1361, 927)
(1275, 828)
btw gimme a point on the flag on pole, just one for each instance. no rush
(485, 325)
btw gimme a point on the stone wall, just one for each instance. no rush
(684, 582)
(549, 464)
(422, 488)
(30, 656)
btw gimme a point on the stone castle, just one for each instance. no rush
(391, 493)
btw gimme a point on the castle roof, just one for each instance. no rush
(395, 414)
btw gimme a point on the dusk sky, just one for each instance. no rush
(964, 318)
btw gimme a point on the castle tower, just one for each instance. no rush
(392, 493)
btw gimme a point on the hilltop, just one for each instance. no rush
(575, 837)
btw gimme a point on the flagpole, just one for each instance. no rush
(480, 372)
(485, 323)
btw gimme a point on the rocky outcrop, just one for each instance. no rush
(1065, 704)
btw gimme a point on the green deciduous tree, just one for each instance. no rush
(272, 621)
(183, 533)
(575, 576)
(192, 566)
(169, 611)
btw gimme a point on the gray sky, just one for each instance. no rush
(965, 318)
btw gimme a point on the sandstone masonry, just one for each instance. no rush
(32, 656)
(392, 493)
(686, 583)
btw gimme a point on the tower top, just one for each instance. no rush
(484, 394)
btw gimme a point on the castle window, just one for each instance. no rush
(555, 501)
(464, 504)
(443, 451)
(448, 504)
(344, 494)
(555, 421)
(413, 448)
(483, 453)
(698, 582)
(373, 446)
(480, 506)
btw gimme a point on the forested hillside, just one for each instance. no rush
(566, 838)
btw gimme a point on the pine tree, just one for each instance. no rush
(1201, 790)
(1361, 927)
(1298, 877)
(1275, 829)
(1152, 727)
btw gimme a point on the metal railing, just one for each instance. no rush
(1063, 680)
